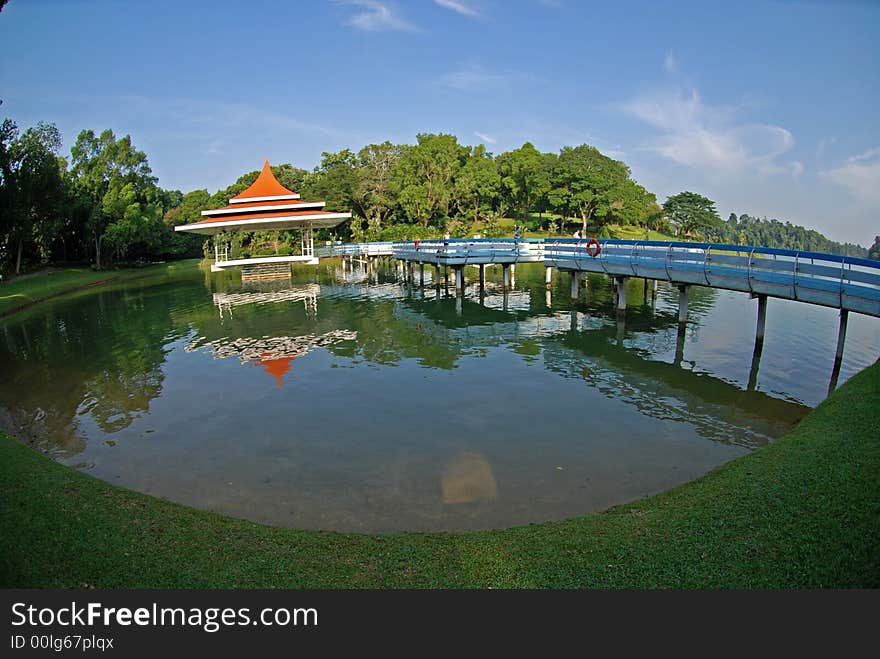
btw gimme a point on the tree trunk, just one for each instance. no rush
(98, 252)
(18, 258)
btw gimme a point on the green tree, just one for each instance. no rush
(477, 184)
(375, 193)
(523, 177)
(425, 175)
(874, 250)
(104, 166)
(586, 182)
(691, 213)
(31, 188)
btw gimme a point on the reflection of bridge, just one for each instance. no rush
(840, 282)
(597, 356)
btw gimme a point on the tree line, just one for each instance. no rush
(102, 204)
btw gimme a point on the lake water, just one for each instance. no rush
(353, 402)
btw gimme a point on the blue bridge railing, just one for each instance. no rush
(826, 279)
(842, 282)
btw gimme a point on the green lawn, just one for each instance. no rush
(24, 291)
(802, 512)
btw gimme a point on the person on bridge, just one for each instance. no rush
(577, 234)
(517, 234)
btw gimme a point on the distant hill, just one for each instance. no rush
(748, 230)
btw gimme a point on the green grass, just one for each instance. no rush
(21, 292)
(802, 512)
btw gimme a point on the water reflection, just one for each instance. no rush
(344, 399)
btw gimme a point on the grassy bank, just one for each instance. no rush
(24, 291)
(803, 512)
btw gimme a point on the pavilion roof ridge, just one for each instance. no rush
(266, 186)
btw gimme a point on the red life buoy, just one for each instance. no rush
(593, 247)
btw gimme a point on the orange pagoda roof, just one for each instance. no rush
(266, 186)
(266, 204)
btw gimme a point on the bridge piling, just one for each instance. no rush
(459, 280)
(682, 304)
(574, 285)
(621, 295)
(482, 276)
(421, 274)
(505, 269)
(437, 275)
(548, 277)
(838, 354)
(762, 317)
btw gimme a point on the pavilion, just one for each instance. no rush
(265, 206)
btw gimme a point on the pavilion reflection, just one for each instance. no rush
(274, 354)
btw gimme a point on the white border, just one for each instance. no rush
(208, 227)
(254, 209)
(277, 197)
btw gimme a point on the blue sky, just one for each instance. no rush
(769, 108)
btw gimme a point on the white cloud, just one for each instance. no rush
(476, 77)
(860, 175)
(488, 139)
(670, 63)
(870, 154)
(375, 16)
(457, 7)
(711, 138)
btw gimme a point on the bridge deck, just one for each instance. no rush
(824, 279)
(829, 280)
(458, 252)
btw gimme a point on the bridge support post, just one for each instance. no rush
(459, 280)
(621, 295)
(762, 318)
(574, 284)
(505, 269)
(653, 289)
(838, 354)
(437, 275)
(682, 304)
(482, 275)
(410, 276)
(548, 276)
(446, 275)
(421, 274)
